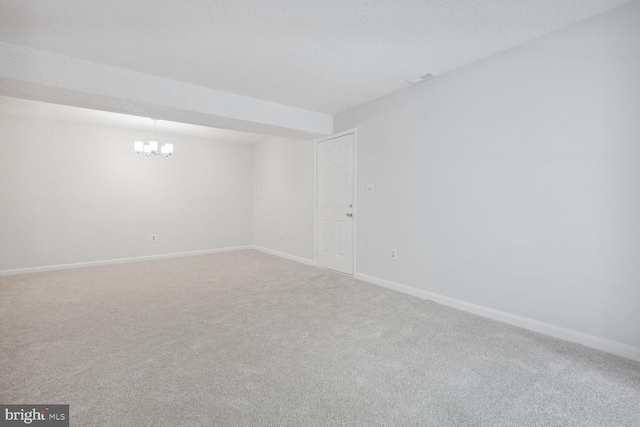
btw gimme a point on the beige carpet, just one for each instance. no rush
(245, 338)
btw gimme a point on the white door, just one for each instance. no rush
(334, 243)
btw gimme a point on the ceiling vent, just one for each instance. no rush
(420, 79)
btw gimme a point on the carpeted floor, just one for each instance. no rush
(245, 338)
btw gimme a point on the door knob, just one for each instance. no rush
(349, 215)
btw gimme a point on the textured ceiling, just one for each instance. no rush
(320, 55)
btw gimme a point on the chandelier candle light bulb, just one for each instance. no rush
(152, 147)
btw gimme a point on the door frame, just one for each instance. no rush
(353, 131)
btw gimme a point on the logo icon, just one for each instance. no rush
(37, 415)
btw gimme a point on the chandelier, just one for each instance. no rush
(152, 147)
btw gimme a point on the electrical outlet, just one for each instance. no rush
(371, 189)
(154, 238)
(394, 254)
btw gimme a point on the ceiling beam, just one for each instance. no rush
(44, 76)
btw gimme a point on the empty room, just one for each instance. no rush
(336, 213)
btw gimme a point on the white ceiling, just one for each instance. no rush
(46, 111)
(319, 55)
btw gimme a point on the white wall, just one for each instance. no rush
(514, 183)
(73, 193)
(283, 196)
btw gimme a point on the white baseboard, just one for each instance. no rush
(592, 341)
(284, 255)
(118, 261)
